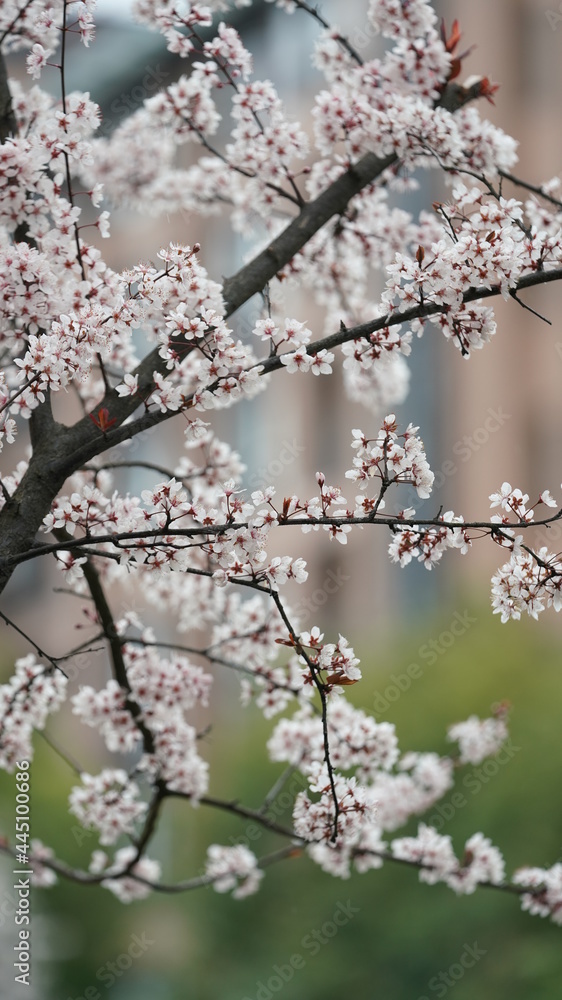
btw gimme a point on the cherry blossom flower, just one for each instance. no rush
(298, 361)
(36, 60)
(478, 738)
(129, 385)
(233, 868)
(127, 889)
(26, 701)
(546, 498)
(547, 902)
(106, 802)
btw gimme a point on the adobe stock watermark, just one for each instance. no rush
(361, 37)
(429, 652)
(331, 584)
(8, 906)
(128, 447)
(74, 667)
(108, 974)
(440, 984)
(312, 943)
(275, 811)
(463, 450)
(473, 782)
(126, 102)
(260, 479)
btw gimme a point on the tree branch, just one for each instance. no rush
(116, 648)
(161, 536)
(273, 363)
(8, 124)
(295, 849)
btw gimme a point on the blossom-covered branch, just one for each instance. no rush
(316, 202)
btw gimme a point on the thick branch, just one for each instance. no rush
(343, 336)
(116, 647)
(8, 125)
(255, 275)
(22, 515)
(251, 278)
(334, 200)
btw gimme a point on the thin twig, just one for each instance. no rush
(341, 39)
(61, 752)
(239, 810)
(536, 189)
(13, 23)
(40, 652)
(321, 688)
(277, 787)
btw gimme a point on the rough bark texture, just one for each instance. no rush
(315, 214)
(23, 513)
(7, 118)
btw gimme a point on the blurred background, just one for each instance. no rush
(493, 418)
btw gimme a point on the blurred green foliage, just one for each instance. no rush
(402, 940)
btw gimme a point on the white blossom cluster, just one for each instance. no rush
(433, 852)
(127, 888)
(26, 701)
(233, 868)
(108, 802)
(385, 791)
(547, 901)
(391, 460)
(530, 581)
(478, 738)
